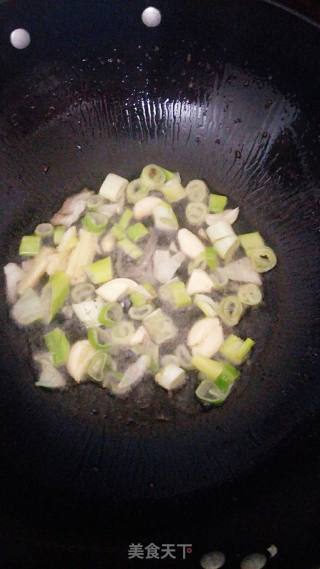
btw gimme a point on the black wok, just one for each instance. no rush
(228, 91)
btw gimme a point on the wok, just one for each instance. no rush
(227, 91)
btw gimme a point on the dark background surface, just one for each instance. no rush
(235, 101)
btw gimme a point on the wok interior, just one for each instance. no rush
(222, 105)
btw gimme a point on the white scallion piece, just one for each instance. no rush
(71, 209)
(88, 311)
(28, 308)
(197, 191)
(199, 282)
(115, 289)
(171, 377)
(165, 266)
(132, 376)
(108, 243)
(13, 274)
(113, 187)
(206, 304)
(206, 337)
(220, 230)
(241, 271)
(50, 377)
(79, 358)
(190, 244)
(160, 327)
(228, 215)
(81, 256)
(139, 337)
(145, 207)
(164, 217)
(37, 270)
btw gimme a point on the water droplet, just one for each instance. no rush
(254, 561)
(151, 17)
(213, 560)
(20, 38)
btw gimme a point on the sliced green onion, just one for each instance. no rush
(130, 249)
(219, 279)
(227, 377)
(50, 377)
(88, 311)
(100, 271)
(230, 310)
(208, 306)
(150, 289)
(110, 314)
(122, 332)
(170, 175)
(136, 192)
(58, 346)
(217, 203)
(137, 231)
(94, 337)
(94, 222)
(118, 232)
(263, 259)
(173, 191)
(224, 239)
(59, 231)
(152, 177)
(175, 292)
(44, 230)
(112, 379)
(196, 213)
(98, 366)
(125, 219)
(197, 191)
(137, 299)
(82, 292)
(250, 294)
(235, 349)
(94, 202)
(30, 245)
(250, 241)
(210, 368)
(197, 263)
(164, 217)
(68, 240)
(28, 308)
(171, 377)
(184, 356)
(140, 312)
(81, 353)
(113, 187)
(160, 327)
(227, 247)
(169, 359)
(209, 394)
(152, 350)
(57, 290)
(210, 257)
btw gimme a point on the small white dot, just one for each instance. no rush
(20, 38)
(151, 17)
